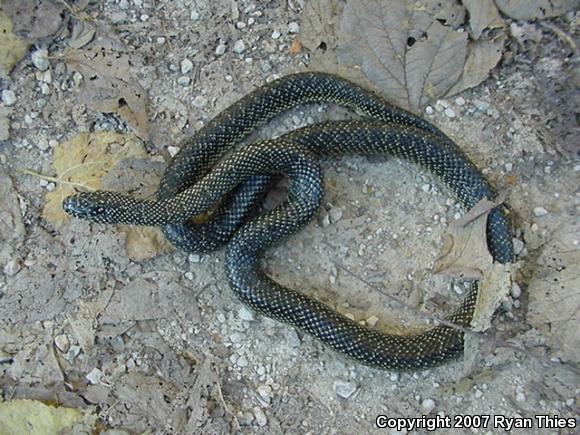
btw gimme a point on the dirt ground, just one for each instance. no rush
(163, 345)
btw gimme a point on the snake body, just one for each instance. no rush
(396, 133)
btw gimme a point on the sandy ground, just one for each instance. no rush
(163, 345)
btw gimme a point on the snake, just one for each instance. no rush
(188, 190)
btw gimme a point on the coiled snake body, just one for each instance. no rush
(187, 189)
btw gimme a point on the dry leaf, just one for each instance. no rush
(318, 23)
(405, 52)
(483, 14)
(82, 162)
(296, 47)
(12, 47)
(532, 9)
(83, 32)
(144, 243)
(35, 19)
(466, 255)
(35, 418)
(449, 12)
(110, 86)
(483, 55)
(554, 307)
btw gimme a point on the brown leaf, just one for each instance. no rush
(554, 307)
(110, 86)
(12, 47)
(450, 12)
(532, 9)
(405, 52)
(483, 55)
(318, 23)
(35, 19)
(144, 243)
(82, 162)
(296, 47)
(483, 14)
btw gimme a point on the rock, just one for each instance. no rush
(62, 343)
(40, 59)
(460, 101)
(293, 27)
(246, 314)
(220, 49)
(183, 81)
(12, 268)
(199, 101)
(172, 150)
(518, 246)
(260, 417)
(429, 110)
(334, 215)
(9, 97)
(372, 321)
(428, 405)
(186, 66)
(345, 389)
(94, 376)
(540, 211)
(516, 290)
(264, 391)
(449, 112)
(239, 46)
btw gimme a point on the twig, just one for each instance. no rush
(562, 35)
(58, 180)
(223, 402)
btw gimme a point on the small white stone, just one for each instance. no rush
(509, 167)
(194, 258)
(478, 394)
(518, 246)
(240, 25)
(242, 361)
(199, 101)
(62, 343)
(276, 34)
(186, 66)
(183, 81)
(260, 417)
(39, 59)
(520, 397)
(160, 40)
(344, 389)
(124, 4)
(172, 150)
(239, 46)
(540, 211)
(264, 391)
(460, 101)
(426, 188)
(94, 376)
(372, 321)
(293, 27)
(220, 49)
(429, 110)
(9, 97)
(335, 214)
(449, 112)
(189, 276)
(194, 15)
(393, 377)
(428, 405)
(144, 17)
(246, 314)
(12, 268)
(516, 290)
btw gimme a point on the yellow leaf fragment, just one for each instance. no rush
(35, 418)
(12, 47)
(82, 162)
(144, 243)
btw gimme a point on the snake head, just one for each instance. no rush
(100, 207)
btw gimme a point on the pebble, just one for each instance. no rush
(518, 246)
(9, 97)
(429, 110)
(183, 81)
(260, 417)
(335, 214)
(194, 258)
(94, 376)
(264, 391)
(293, 27)
(240, 25)
(428, 405)
(478, 394)
(194, 15)
(372, 320)
(426, 188)
(509, 167)
(189, 276)
(62, 343)
(239, 46)
(39, 59)
(344, 389)
(186, 66)
(516, 290)
(482, 106)
(276, 34)
(394, 377)
(242, 361)
(449, 112)
(520, 397)
(220, 49)
(12, 268)
(540, 211)
(199, 101)
(124, 4)
(172, 150)
(246, 314)
(460, 101)
(325, 220)
(245, 418)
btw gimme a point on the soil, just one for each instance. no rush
(164, 346)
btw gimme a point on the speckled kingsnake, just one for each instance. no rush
(400, 134)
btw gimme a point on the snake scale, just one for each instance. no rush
(193, 183)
